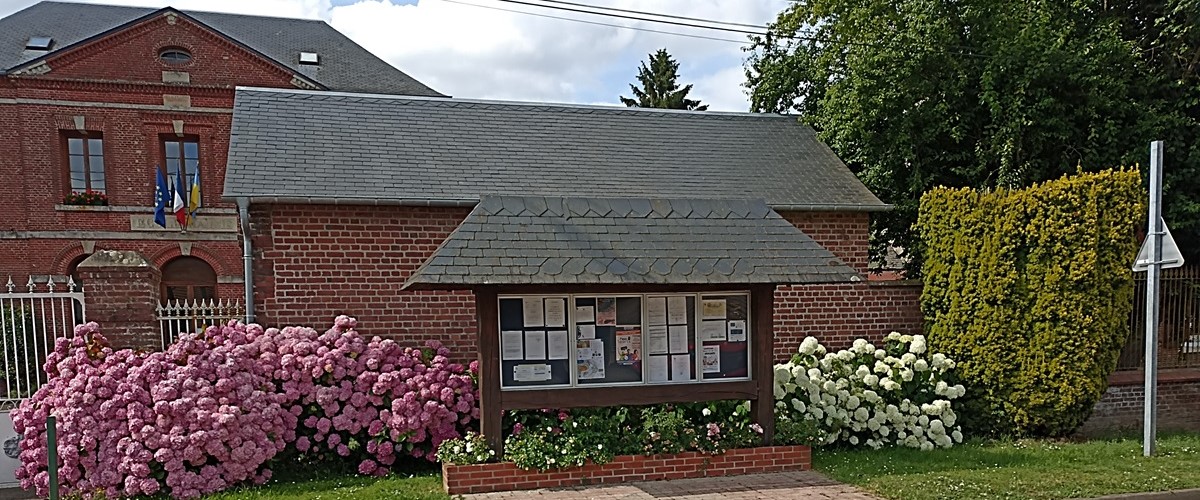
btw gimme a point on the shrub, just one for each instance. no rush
(1031, 291)
(868, 396)
(467, 450)
(216, 409)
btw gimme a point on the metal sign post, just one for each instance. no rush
(1153, 271)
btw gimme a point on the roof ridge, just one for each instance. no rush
(169, 7)
(466, 102)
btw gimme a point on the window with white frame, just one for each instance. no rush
(588, 340)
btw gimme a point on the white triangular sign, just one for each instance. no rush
(1171, 257)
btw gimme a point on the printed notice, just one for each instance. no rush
(656, 310)
(535, 345)
(510, 346)
(606, 311)
(677, 337)
(531, 373)
(656, 368)
(712, 309)
(533, 311)
(657, 341)
(559, 344)
(556, 312)
(589, 356)
(629, 345)
(677, 310)
(681, 367)
(712, 359)
(585, 314)
(586, 331)
(737, 330)
(712, 331)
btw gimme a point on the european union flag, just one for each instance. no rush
(162, 196)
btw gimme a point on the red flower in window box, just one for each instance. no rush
(89, 197)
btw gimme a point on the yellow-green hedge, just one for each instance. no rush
(1030, 291)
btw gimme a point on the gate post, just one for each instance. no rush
(122, 292)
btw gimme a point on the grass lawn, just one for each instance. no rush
(424, 482)
(1019, 469)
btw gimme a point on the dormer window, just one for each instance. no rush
(175, 57)
(309, 58)
(39, 43)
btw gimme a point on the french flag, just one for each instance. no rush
(179, 207)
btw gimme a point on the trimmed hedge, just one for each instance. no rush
(1031, 291)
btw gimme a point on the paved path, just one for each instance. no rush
(807, 485)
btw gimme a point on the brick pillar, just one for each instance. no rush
(121, 295)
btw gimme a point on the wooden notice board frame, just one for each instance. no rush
(758, 389)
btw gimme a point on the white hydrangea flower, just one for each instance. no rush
(871, 380)
(906, 339)
(883, 431)
(882, 367)
(923, 420)
(958, 437)
(921, 365)
(782, 374)
(861, 414)
(779, 392)
(799, 374)
(907, 359)
(808, 346)
(814, 374)
(816, 412)
(926, 446)
(858, 345)
(873, 425)
(862, 372)
(853, 403)
(943, 441)
(798, 405)
(918, 344)
(880, 354)
(893, 336)
(906, 375)
(845, 356)
(854, 440)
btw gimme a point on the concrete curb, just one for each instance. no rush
(1188, 494)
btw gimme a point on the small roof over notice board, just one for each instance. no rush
(536, 240)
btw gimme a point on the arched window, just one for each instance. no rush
(175, 56)
(188, 278)
(73, 270)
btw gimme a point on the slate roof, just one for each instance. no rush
(344, 65)
(290, 145)
(510, 240)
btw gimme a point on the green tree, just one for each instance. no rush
(914, 94)
(660, 86)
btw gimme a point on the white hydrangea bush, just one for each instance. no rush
(876, 397)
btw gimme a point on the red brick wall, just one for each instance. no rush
(462, 479)
(1121, 407)
(315, 262)
(846, 234)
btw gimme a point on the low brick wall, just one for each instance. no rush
(1120, 409)
(504, 476)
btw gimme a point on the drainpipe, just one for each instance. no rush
(247, 256)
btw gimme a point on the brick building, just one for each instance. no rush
(343, 216)
(95, 97)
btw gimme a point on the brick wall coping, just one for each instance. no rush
(131, 209)
(1137, 377)
(506, 476)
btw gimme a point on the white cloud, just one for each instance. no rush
(468, 51)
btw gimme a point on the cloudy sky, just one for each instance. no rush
(481, 52)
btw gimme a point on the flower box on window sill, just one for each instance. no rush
(506, 476)
(87, 198)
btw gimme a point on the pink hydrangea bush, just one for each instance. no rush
(213, 410)
(372, 401)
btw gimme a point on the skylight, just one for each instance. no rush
(39, 43)
(308, 58)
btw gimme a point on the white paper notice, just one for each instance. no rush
(533, 311)
(510, 346)
(681, 367)
(589, 357)
(656, 368)
(712, 359)
(657, 340)
(531, 373)
(559, 344)
(587, 331)
(585, 314)
(677, 310)
(656, 310)
(737, 330)
(535, 345)
(712, 309)
(678, 338)
(712, 331)
(556, 312)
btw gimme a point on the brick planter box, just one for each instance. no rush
(504, 476)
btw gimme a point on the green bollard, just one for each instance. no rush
(52, 451)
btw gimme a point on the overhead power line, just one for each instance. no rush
(656, 14)
(636, 18)
(596, 23)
